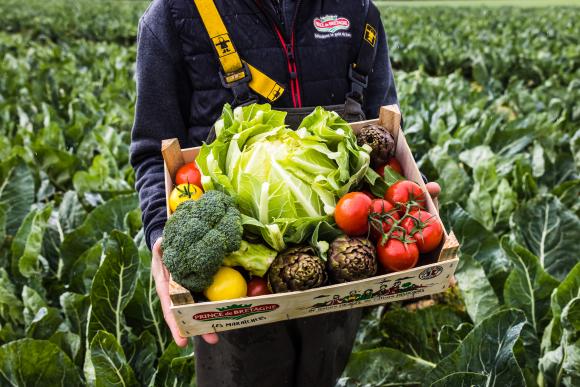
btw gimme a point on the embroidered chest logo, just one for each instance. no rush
(331, 26)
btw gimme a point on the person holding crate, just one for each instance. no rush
(194, 56)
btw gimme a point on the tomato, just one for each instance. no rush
(369, 194)
(381, 210)
(227, 284)
(393, 164)
(351, 213)
(404, 191)
(188, 173)
(428, 232)
(396, 255)
(257, 287)
(182, 193)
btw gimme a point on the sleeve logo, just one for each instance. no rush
(370, 35)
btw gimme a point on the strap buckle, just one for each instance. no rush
(238, 81)
(230, 80)
(358, 84)
(353, 110)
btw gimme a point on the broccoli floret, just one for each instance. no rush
(198, 236)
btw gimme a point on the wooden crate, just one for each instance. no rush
(432, 277)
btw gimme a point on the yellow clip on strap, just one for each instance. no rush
(264, 85)
(228, 56)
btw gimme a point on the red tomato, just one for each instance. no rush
(393, 164)
(188, 173)
(351, 213)
(380, 211)
(369, 194)
(396, 255)
(257, 287)
(404, 191)
(428, 232)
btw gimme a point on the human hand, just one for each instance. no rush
(161, 277)
(434, 189)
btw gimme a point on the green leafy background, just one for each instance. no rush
(490, 98)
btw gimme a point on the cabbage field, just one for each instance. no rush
(490, 98)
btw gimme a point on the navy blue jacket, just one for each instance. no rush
(180, 94)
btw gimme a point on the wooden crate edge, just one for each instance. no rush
(203, 317)
(178, 294)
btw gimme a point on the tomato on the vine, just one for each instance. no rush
(396, 255)
(381, 212)
(393, 164)
(188, 174)
(182, 193)
(370, 195)
(351, 213)
(405, 191)
(426, 230)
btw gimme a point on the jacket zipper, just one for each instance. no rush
(292, 58)
(290, 53)
(279, 12)
(293, 45)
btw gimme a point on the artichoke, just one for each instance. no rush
(381, 142)
(297, 268)
(351, 259)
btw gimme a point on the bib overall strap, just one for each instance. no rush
(359, 71)
(242, 78)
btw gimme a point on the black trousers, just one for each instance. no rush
(310, 351)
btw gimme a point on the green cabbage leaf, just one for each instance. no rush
(254, 257)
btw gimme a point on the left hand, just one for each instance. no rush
(161, 277)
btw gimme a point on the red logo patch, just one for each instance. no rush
(331, 23)
(235, 312)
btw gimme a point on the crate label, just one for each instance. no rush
(235, 312)
(386, 289)
(220, 326)
(431, 272)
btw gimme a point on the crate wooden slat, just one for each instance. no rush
(244, 312)
(179, 295)
(434, 277)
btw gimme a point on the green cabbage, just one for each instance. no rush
(254, 257)
(285, 182)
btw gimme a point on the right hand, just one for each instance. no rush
(434, 189)
(161, 277)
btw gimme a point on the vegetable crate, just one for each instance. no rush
(431, 278)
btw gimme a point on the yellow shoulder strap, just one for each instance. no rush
(231, 63)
